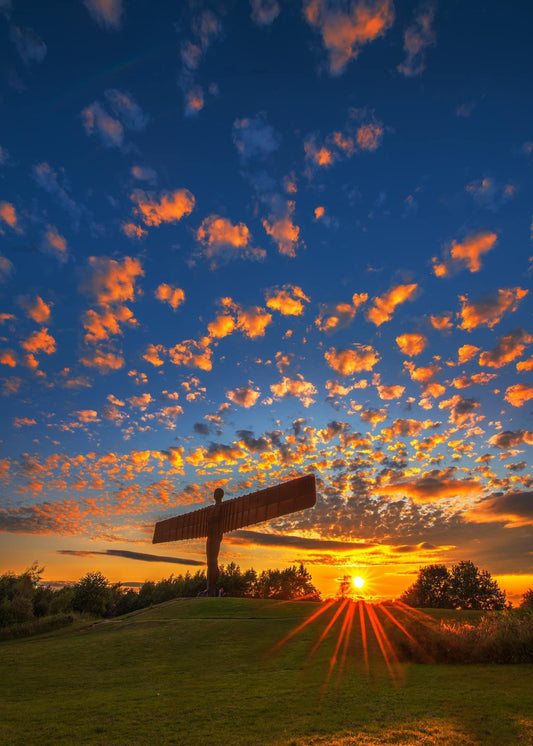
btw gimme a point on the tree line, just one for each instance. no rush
(24, 598)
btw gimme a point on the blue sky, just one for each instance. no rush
(245, 241)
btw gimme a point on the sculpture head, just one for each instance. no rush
(219, 494)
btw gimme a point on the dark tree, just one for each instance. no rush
(527, 600)
(235, 582)
(291, 583)
(464, 587)
(93, 595)
(472, 588)
(18, 594)
(431, 588)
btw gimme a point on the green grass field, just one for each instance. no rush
(197, 672)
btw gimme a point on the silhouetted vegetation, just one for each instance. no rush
(498, 637)
(28, 607)
(527, 600)
(465, 586)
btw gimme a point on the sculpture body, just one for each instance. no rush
(216, 520)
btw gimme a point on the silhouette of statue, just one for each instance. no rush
(216, 520)
(214, 539)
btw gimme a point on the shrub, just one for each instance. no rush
(499, 637)
(36, 626)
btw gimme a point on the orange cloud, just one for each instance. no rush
(434, 389)
(363, 132)
(350, 361)
(462, 411)
(511, 439)
(193, 354)
(525, 365)
(477, 378)
(223, 241)
(336, 317)
(194, 100)
(411, 344)
(56, 244)
(509, 347)
(301, 389)
(442, 322)
(514, 509)
(176, 459)
(340, 315)
(222, 326)
(466, 353)
(142, 401)
(171, 207)
(385, 305)
(319, 155)
(8, 215)
(103, 361)
(37, 309)
(105, 324)
(113, 281)
(472, 248)
(153, 354)
(369, 136)
(489, 311)
(131, 230)
(287, 300)
(253, 321)
(283, 231)
(432, 487)
(39, 341)
(404, 428)
(244, 396)
(87, 415)
(7, 357)
(468, 253)
(422, 374)
(390, 392)
(170, 294)
(374, 416)
(519, 394)
(19, 422)
(167, 415)
(345, 31)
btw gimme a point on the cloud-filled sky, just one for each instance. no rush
(244, 241)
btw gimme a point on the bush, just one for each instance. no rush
(36, 626)
(499, 637)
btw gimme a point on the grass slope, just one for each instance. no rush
(196, 672)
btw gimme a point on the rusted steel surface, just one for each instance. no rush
(245, 510)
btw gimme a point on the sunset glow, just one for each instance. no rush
(243, 242)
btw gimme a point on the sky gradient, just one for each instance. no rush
(244, 241)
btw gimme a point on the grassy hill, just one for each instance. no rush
(196, 672)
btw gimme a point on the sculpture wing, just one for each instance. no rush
(255, 507)
(191, 525)
(269, 503)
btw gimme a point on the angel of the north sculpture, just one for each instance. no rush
(216, 520)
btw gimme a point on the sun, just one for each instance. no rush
(358, 581)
